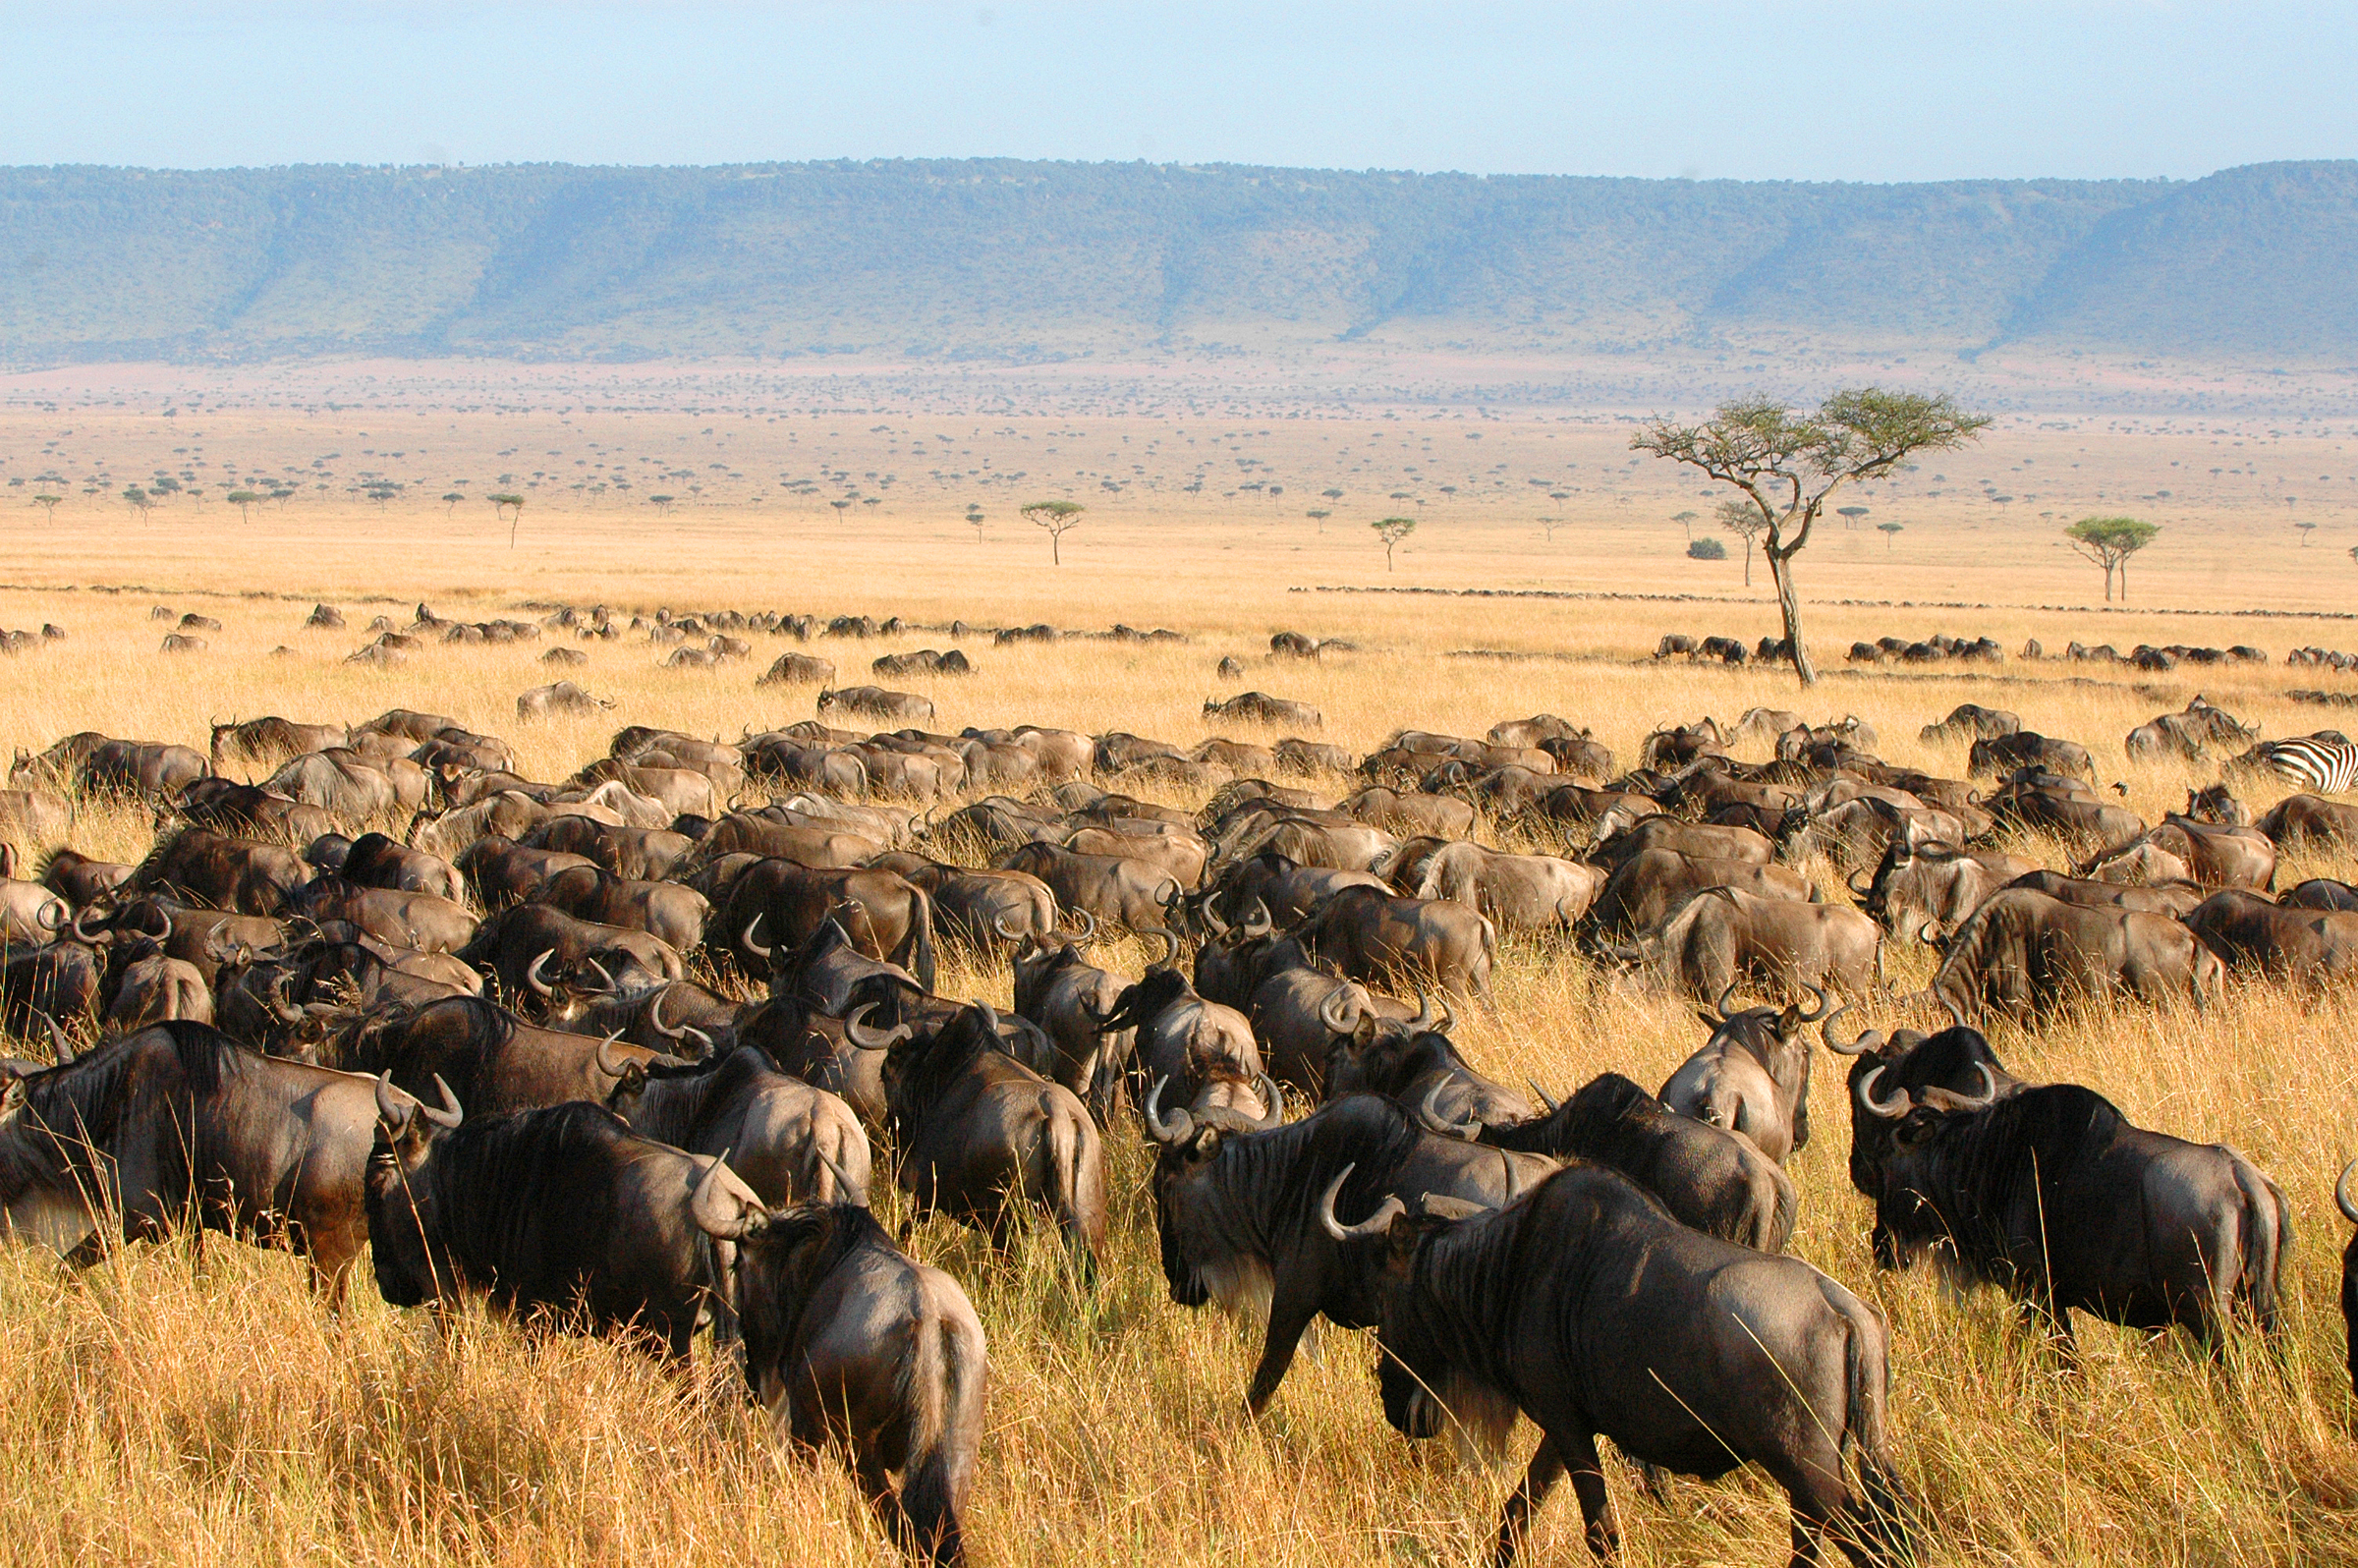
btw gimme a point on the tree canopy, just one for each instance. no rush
(2110, 541)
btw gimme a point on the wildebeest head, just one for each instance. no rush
(1913, 1120)
(834, 977)
(406, 1130)
(1373, 1055)
(1909, 1063)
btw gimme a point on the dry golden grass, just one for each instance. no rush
(194, 1405)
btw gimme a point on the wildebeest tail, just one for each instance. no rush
(2267, 1236)
(944, 1393)
(916, 953)
(1072, 1180)
(1876, 1527)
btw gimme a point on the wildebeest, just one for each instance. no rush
(1260, 707)
(2053, 1195)
(1415, 1064)
(2302, 946)
(2321, 892)
(1118, 889)
(1995, 754)
(2309, 819)
(1713, 1178)
(1970, 721)
(786, 1142)
(179, 1121)
(2024, 954)
(1752, 1076)
(673, 914)
(798, 669)
(977, 1130)
(1644, 888)
(1518, 892)
(1196, 1053)
(1238, 1212)
(849, 1340)
(374, 861)
(1721, 936)
(495, 1061)
(1072, 1001)
(1370, 936)
(554, 1214)
(1588, 1308)
(1923, 891)
(272, 741)
(558, 697)
(876, 702)
(213, 869)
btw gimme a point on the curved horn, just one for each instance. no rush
(746, 941)
(718, 1213)
(1956, 1014)
(52, 917)
(1333, 1018)
(1374, 1224)
(1428, 1115)
(1929, 933)
(696, 1037)
(1259, 922)
(285, 1011)
(1853, 880)
(1867, 1039)
(654, 1015)
(1721, 1005)
(2341, 1194)
(1826, 1001)
(1514, 1186)
(392, 1113)
(999, 924)
(1211, 918)
(856, 1030)
(1176, 1128)
(1274, 1098)
(842, 1178)
(1889, 1110)
(531, 973)
(59, 1046)
(607, 987)
(74, 926)
(1545, 1099)
(449, 1113)
(1948, 1100)
(1088, 928)
(607, 1062)
(1170, 946)
(1423, 1011)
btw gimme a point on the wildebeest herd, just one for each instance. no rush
(624, 1052)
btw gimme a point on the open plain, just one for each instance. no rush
(194, 1404)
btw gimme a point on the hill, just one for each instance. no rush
(1003, 260)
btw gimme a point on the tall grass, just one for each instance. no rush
(191, 1404)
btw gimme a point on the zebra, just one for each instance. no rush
(2321, 766)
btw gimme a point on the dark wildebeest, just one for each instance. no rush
(1722, 937)
(2306, 819)
(1372, 936)
(849, 1340)
(2350, 1273)
(1260, 707)
(58, 979)
(666, 910)
(776, 906)
(2215, 857)
(496, 1060)
(77, 878)
(1193, 1052)
(1518, 892)
(1415, 1065)
(557, 1215)
(273, 741)
(1588, 1308)
(1238, 1212)
(2172, 899)
(1970, 721)
(2053, 1197)
(2025, 953)
(502, 871)
(1119, 889)
(424, 923)
(375, 860)
(1644, 888)
(788, 1141)
(517, 947)
(2322, 892)
(2302, 946)
(206, 868)
(1752, 1076)
(179, 1121)
(1924, 891)
(1713, 1178)
(1995, 754)
(876, 702)
(1067, 996)
(978, 1130)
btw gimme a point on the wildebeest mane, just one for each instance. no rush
(489, 1176)
(84, 1102)
(1585, 1122)
(1292, 1164)
(1997, 1161)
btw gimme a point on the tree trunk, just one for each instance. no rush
(1788, 606)
(1748, 563)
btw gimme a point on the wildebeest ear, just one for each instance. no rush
(12, 1095)
(1711, 1020)
(1917, 1128)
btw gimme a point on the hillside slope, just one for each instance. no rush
(999, 259)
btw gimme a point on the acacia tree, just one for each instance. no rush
(1787, 465)
(1890, 533)
(2110, 541)
(243, 501)
(510, 506)
(1392, 529)
(1746, 524)
(48, 504)
(1686, 520)
(1058, 518)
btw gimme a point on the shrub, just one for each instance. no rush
(1706, 551)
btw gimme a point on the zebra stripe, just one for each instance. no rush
(2325, 767)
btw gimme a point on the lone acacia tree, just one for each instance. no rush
(1787, 465)
(243, 501)
(510, 506)
(2110, 541)
(1058, 518)
(1745, 522)
(1890, 533)
(1392, 529)
(48, 504)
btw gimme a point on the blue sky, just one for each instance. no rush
(1899, 90)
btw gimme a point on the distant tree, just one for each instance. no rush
(243, 501)
(1850, 515)
(2110, 541)
(510, 505)
(2354, 553)
(1706, 549)
(1319, 515)
(48, 504)
(1391, 531)
(661, 504)
(138, 500)
(1890, 533)
(1058, 518)
(1548, 528)
(1333, 495)
(1788, 464)
(840, 506)
(1686, 522)
(2305, 528)
(450, 501)
(281, 496)
(1746, 524)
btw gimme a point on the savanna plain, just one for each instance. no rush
(195, 1404)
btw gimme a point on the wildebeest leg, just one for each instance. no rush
(1290, 1313)
(1578, 1455)
(1514, 1523)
